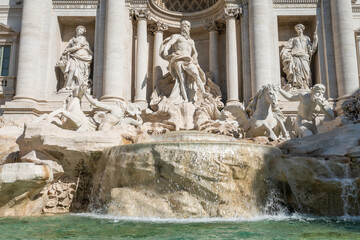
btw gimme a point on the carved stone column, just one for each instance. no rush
(232, 75)
(214, 29)
(141, 57)
(260, 44)
(344, 45)
(245, 53)
(30, 46)
(357, 39)
(158, 30)
(115, 45)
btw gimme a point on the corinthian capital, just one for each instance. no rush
(139, 13)
(232, 12)
(215, 26)
(158, 26)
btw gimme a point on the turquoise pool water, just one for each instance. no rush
(89, 226)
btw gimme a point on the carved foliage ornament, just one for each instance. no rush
(139, 13)
(158, 26)
(232, 12)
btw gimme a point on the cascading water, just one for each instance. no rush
(350, 191)
(318, 186)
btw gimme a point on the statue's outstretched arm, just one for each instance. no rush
(326, 109)
(97, 103)
(289, 96)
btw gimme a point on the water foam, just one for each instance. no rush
(280, 217)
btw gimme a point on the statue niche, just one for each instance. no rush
(75, 61)
(296, 58)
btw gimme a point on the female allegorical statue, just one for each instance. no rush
(296, 58)
(76, 60)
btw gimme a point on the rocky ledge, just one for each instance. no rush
(178, 174)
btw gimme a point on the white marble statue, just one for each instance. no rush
(296, 58)
(117, 114)
(311, 105)
(76, 59)
(70, 116)
(262, 117)
(179, 50)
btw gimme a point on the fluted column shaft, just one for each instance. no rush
(245, 53)
(115, 45)
(214, 28)
(30, 46)
(357, 38)
(344, 45)
(260, 44)
(232, 74)
(158, 30)
(141, 57)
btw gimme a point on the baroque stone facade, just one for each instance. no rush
(238, 42)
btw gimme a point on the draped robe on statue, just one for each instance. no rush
(184, 87)
(296, 57)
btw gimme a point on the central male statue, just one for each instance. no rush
(179, 50)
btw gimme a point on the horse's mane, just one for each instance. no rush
(253, 103)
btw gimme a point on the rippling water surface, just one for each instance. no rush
(90, 226)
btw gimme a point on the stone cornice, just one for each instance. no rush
(75, 4)
(296, 3)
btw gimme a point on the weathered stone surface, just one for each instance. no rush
(133, 203)
(47, 149)
(20, 183)
(9, 149)
(317, 186)
(337, 142)
(225, 178)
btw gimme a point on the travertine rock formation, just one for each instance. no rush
(199, 175)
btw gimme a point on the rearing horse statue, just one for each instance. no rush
(265, 115)
(262, 116)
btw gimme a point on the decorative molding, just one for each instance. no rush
(139, 13)
(185, 5)
(232, 12)
(356, 8)
(6, 9)
(215, 26)
(157, 27)
(296, 3)
(75, 4)
(197, 19)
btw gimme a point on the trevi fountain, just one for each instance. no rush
(207, 119)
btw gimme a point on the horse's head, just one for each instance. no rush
(271, 95)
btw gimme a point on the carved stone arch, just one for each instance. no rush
(185, 5)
